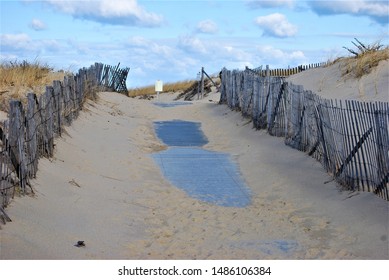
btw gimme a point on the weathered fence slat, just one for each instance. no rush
(360, 117)
(31, 137)
(338, 134)
(29, 133)
(350, 139)
(382, 123)
(370, 147)
(276, 113)
(7, 170)
(6, 217)
(16, 140)
(113, 78)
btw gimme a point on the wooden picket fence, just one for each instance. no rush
(350, 138)
(114, 78)
(285, 72)
(29, 132)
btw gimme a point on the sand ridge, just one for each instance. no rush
(331, 82)
(103, 187)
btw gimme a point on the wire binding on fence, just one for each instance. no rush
(350, 138)
(29, 133)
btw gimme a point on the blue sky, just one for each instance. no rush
(172, 40)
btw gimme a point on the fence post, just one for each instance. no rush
(224, 86)
(351, 142)
(381, 127)
(202, 82)
(32, 141)
(49, 118)
(16, 142)
(57, 94)
(198, 85)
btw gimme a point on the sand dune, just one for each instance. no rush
(330, 82)
(103, 187)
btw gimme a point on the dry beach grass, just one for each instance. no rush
(17, 78)
(364, 63)
(168, 87)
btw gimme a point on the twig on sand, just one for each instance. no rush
(112, 178)
(74, 183)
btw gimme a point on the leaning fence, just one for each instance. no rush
(350, 138)
(114, 78)
(28, 133)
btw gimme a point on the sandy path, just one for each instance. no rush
(103, 187)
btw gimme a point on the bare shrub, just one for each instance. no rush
(365, 58)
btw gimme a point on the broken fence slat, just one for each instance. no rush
(4, 214)
(349, 138)
(29, 132)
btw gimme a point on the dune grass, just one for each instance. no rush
(364, 58)
(168, 87)
(362, 64)
(17, 78)
(24, 73)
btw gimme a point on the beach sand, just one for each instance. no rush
(104, 188)
(332, 82)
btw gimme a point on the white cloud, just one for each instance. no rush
(376, 10)
(272, 52)
(229, 52)
(138, 41)
(149, 47)
(37, 25)
(169, 60)
(152, 55)
(207, 26)
(122, 12)
(256, 4)
(276, 25)
(192, 44)
(79, 47)
(8, 57)
(22, 42)
(17, 41)
(50, 45)
(279, 58)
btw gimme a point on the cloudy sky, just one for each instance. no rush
(171, 40)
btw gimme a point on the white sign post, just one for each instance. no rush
(158, 87)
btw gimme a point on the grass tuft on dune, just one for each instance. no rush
(17, 78)
(364, 63)
(168, 87)
(365, 58)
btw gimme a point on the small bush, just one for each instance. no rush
(364, 49)
(365, 58)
